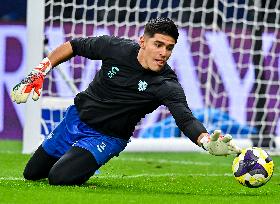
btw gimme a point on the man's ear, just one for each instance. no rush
(142, 42)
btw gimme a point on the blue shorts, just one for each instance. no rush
(73, 132)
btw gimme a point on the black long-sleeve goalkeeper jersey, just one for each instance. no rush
(123, 92)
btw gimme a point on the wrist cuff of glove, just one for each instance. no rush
(204, 141)
(44, 66)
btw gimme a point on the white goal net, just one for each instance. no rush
(226, 58)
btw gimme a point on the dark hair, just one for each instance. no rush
(162, 26)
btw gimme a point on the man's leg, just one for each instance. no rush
(39, 165)
(73, 168)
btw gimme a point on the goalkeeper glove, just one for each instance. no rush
(34, 81)
(219, 145)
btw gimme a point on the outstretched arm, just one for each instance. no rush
(34, 80)
(215, 143)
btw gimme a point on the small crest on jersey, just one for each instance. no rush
(113, 71)
(142, 85)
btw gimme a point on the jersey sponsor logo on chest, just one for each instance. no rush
(142, 85)
(113, 72)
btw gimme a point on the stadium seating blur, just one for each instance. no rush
(14, 10)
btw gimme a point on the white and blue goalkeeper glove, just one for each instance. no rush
(33, 82)
(219, 145)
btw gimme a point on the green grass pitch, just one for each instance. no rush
(138, 178)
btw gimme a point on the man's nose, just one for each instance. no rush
(163, 52)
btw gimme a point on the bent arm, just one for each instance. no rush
(92, 48)
(61, 54)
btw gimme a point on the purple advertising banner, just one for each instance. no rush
(12, 65)
(203, 60)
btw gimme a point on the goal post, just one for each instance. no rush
(226, 58)
(35, 38)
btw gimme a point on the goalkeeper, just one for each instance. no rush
(133, 81)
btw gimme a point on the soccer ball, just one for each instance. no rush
(253, 167)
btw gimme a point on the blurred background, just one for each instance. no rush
(13, 11)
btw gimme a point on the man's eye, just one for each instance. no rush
(169, 48)
(157, 44)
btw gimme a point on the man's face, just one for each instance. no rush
(155, 51)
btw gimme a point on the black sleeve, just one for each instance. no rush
(172, 96)
(95, 48)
